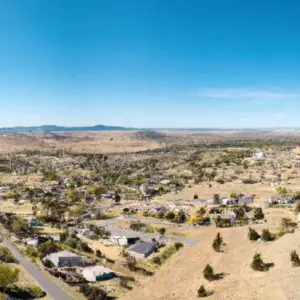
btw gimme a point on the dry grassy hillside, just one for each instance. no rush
(181, 277)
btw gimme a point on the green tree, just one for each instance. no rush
(201, 212)
(216, 199)
(208, 273)
(297, 209)
(19, 226)
(295, 258)
(117, 197)
(232, 195)
(8, 275)
(258, 213)
(258, 264)
(267, 236)
(282, 191)
(202, 292)
(48, 248)
(162, 231)
(217, 243)
(253, 235)
(6, 255)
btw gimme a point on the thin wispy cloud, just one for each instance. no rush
(247, 94)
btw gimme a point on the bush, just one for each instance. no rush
(48, 248)
(93, 293)
(157, 260)
(48, 263)
(178, 245)
(8, 275)
(217, 243)
(6, 255)
(36, 292)
(31, 252)
(297, 209)
(295, 259)
(267, 236)
(201, 211)
(258, 214)
(253, 235)
(202, 292)
(162, 231)
(170, 215)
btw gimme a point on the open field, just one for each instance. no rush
(183, 274)
(128, 141)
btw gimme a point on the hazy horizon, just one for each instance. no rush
(149, 64)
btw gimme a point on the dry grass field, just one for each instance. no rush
(80, 142)
(181, 276)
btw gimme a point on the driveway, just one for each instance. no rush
(51, 288)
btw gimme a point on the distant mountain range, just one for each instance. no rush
(48, 128)
(55, 128)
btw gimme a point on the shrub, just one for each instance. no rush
(35, 292)
(48, 263)
(93, 293)
(258, 213)
(162, 231)
(178, 245)
(31, 252)
(295, 259)
(297, 209)
(202, 292)
(201, 212)
(208, 273)
(217, 243)
(6, 255)
(8, 275)
(48, 248)
(267, 236)
(195, 196)
(157, 260)
(253, 235)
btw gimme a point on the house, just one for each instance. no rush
(157, 210)
(65, 259)
(2, 197)
(97, 273)
(260, 155)
(227, 202)
(230, 215)
(143, 249)
(34, 242)
(247, 199)
(123, 240)
(107, 196)
(4, 188)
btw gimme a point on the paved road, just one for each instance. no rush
(51, 288)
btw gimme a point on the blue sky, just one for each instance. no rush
(150, 63)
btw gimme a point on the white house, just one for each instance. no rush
(65, 259)
(97, 273)
(260, 155)
(123, 240)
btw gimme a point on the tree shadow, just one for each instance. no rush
(19, 293)
(269, 265)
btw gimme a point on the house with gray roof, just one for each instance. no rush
(65, 259)
(143, 249)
